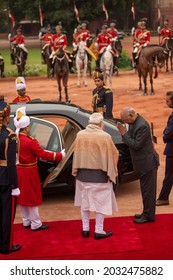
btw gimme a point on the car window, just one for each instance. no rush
(47, 133)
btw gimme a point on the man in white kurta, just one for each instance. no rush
(95, 169)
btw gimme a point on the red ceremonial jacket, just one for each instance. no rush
(86, 33)
(47, 38)
(142, 37)
(19, 39)
(165, 32)
(113, 32)
(103, 40)
(78, 37)
(58, 41)
(29, 151)
(19, 98)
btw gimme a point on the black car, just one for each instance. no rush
(55, 126)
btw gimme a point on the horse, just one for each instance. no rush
(61, 69)
(145, 65)
(19, 58)
(117, 49)
(46, 54)
(81, 62)
(168, 46)
(106, 65)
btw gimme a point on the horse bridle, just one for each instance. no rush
(61, 58)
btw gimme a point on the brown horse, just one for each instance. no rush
(61, 69)
(145, 65)
(168, 46)
(46, 54)
(117, 48)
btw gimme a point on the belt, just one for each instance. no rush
(27, 164)
(3, 162)
(101, 109)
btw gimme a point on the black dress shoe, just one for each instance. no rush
(42, 227)
(138, 216)
(29, 226)
(143, 220)
(13, 249)
(102, 235)
(85, 233)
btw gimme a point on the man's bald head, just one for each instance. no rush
(128, 115)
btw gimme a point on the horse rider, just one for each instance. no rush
(165, 32)
(2, 66)
(114, 33)
(19, 40)
(112, 30)
(78, 36)
(47, 38)
(141, 39)
(103, 42)
(59, 40)
(102, 98)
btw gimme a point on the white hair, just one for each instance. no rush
(129, 111)
(96, 118)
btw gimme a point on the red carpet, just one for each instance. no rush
(129, 241)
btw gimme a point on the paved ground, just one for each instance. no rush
(125, 89)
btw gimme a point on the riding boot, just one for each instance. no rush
(115, 68)
(98, 62)
(2, 70)
(43, 58)
(12, 59)
(52, 67)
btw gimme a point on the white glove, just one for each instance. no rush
(63, 153)
(96, 45)
(39, 35)
(158, 29)
(52, 54)
(15, 192)
(108, 48)
(145, 44)
(137, 44)
(74, 45)
(9, 36)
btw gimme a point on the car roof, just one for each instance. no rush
(72, 111)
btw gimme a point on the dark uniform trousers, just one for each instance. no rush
(168, 180)
(7, 202)
(148, 181)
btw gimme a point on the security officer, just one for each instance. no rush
(102, 100)
(8, 180)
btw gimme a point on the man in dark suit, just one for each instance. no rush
(168, 152)
(144, 158)
(8, 181)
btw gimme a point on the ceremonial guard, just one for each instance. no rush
(46, 38)
(21, 91)
(103, 41)
(141, 39)
(59, 40)
(112, 30)
(165, 32)
(8, 180)
(79, 36)
(29, 151)
(85, 31)
(102, 99)
(19, 40)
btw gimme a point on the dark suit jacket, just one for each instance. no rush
(139, 140)
(168, 136)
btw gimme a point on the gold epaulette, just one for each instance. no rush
(108, 90)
